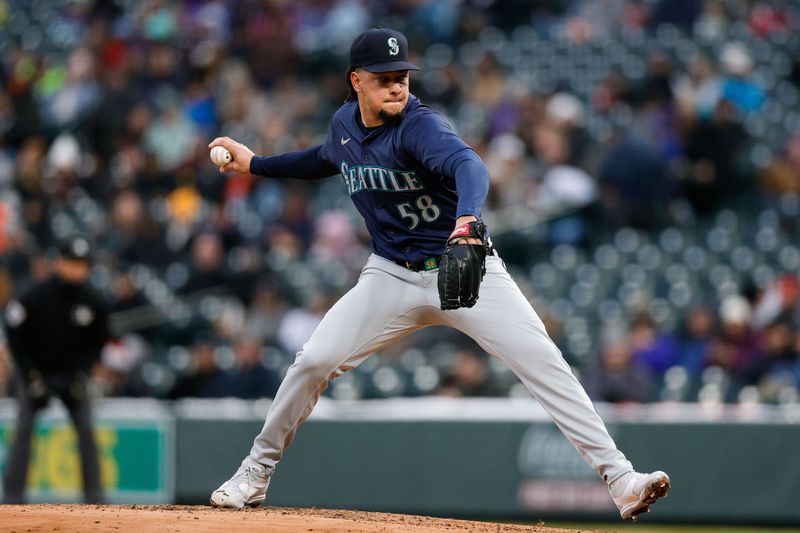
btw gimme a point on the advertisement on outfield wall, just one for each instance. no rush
(135, 458)
(554, 478)
(470, 458)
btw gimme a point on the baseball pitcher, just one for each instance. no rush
(420, 189)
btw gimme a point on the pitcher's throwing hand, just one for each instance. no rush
(241, 154)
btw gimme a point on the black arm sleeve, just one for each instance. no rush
(98, 337)
(18, 328)
(95, 336)
(305, 164)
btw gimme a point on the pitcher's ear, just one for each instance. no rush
(355, 81)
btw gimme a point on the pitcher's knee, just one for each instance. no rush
(540, 354)
(314, 364)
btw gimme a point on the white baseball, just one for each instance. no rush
(220, 156)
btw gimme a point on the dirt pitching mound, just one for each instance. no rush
(199, 519)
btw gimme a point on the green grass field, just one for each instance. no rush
(669, 528)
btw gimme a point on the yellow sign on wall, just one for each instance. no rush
(133, 461)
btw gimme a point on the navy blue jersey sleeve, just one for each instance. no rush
(472, 181)
(308, 164)
(432, 142)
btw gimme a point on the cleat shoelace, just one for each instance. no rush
(247, 474)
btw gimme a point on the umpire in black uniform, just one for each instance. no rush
(56, 330)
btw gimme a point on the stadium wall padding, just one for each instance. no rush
(470, 458)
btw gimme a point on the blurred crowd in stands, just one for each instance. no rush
(667, 131)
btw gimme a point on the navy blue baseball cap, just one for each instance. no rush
(380, 50)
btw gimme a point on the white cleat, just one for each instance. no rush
(248, 486)
(634, 493)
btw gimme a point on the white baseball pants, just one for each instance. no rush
(390, 302)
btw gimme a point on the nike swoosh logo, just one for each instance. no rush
(344, 141)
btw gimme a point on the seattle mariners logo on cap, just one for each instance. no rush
(394, 48)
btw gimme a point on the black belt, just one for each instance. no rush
(431, 263)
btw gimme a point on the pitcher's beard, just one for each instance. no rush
(390, 118)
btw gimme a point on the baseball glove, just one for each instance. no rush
(462, 266)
